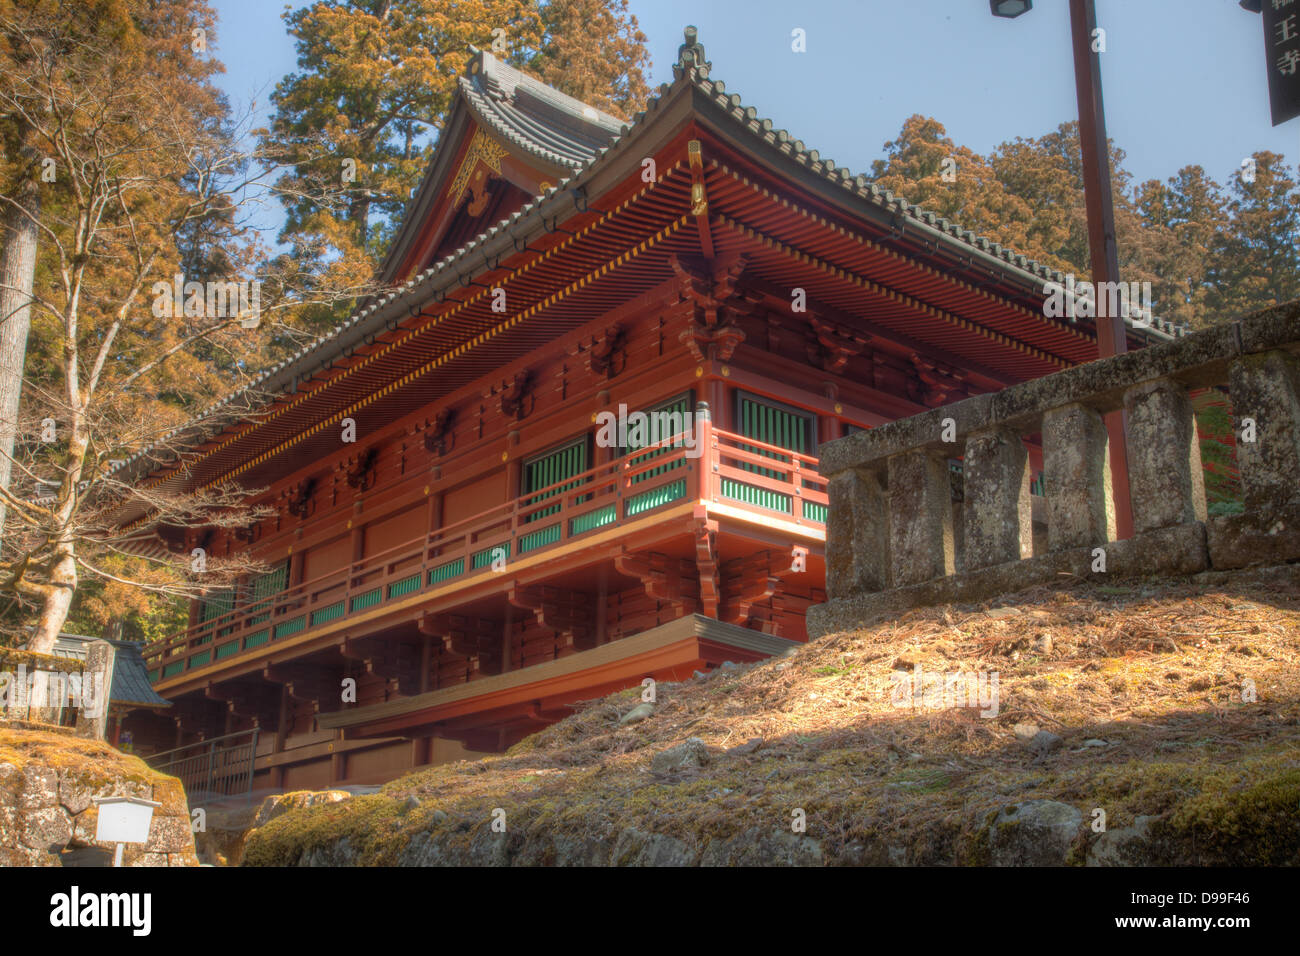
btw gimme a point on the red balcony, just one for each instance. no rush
(750, 486)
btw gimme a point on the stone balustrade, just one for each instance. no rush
(892, 524)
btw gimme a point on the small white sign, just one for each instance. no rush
(124, 819)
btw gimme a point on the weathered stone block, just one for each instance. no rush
(920, 518)
(1266, 388)
(857, 534)
(1199, 358)
(1271, 328)
(997, 517)
(1239, 541)
(924, 431)
(1076, 469)
(1166, 481)
(92, 718)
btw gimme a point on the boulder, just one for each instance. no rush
(1034, 833)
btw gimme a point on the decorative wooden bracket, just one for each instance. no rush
(440, 437)
(249, 533)
(608, 355)
(943, 383)
(360, 469)
(259, 704)
(517, 401)
(833, 346)
(390, 660)
(755, 578)
(300, 502)
(664, 578)
(467, 636)
(711, 334)
(706, 562)
(567, 613)
(305, 682)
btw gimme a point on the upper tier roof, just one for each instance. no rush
(537, 118)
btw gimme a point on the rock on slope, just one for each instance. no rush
(48, 782)
(1152, 724)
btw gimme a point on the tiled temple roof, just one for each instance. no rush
(537, 118)
(566, 132)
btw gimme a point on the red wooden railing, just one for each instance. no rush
(765, 479)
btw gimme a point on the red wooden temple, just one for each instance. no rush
(488, 552)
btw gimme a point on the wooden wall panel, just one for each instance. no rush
(396, 530)
(327, 558)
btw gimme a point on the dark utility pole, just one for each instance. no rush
(1112, 338)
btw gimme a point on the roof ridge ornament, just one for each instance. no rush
(690, 55)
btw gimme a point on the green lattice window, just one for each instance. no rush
(264, 588)
(663, 421)
(774, 425)
(550, 469)
(214, 605)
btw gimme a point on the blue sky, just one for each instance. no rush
(1185, 80)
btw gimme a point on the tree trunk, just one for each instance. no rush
(17, 273)
(57, 602)
(62, 581)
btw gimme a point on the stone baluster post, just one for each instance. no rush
(857, 534)
(1076, 470)
(920, 517)
(996, 511)
(1164, 463)
(1266, 389)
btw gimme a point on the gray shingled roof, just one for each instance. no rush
(537, 118)
(130, 675)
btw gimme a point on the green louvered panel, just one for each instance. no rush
(198, 660)
(656, 497)
(266, 586)
(214, 606)
(258, 639)
(539, 538)
(548, 470)
(813, 511)
(174, 668)
(593, 519)
(758, 497)
(292, 626)
(1038, 486)
(481, 559)
(330, 612)
(405, 586)
(153, 676)
(665, 427)
(445, 572)
(226, 650)
(368, 599)
(773, 426)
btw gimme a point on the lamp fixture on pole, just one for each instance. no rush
(1112, 335)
